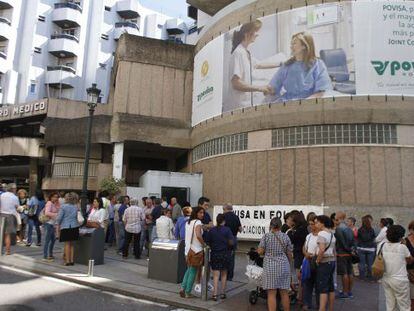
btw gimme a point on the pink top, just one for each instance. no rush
(52, 209)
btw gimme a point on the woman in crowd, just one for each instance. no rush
(51, 211)
(221, 240)
(277, 250)
(325, 260)
(309, 251)
(68, 226)
(22, 210)
(193, 242)
(97, 214)
(382, 235)
(165, 225)
(303, 75)
(35, 206)
(366, 248)
(395, 280)
(179, 231)
(409, 241)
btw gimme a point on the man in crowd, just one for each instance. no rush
(133, 218)
(233, 222)
(147, 230)
(155, 214)
(176, 210)
(344, 247)
(110, 233)
(121, 211)
(8, 209)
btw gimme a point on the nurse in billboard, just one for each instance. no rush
(303, 75)
(242, 65)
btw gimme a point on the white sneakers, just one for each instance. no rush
(197, 288)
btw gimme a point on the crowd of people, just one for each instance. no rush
(304, 254)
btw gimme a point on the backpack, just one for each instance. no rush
(378, 267)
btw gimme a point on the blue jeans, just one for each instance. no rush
(309, 285)
(110, 233)
(121, 239)
(230, 272)
(49, 240)
(34, 222)
(145, 241)
(366, 260)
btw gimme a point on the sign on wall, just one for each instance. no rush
(23, 111)
(255, 220)
(326, 50)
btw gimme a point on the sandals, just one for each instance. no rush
(214, 297)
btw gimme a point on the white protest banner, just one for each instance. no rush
(255, 220)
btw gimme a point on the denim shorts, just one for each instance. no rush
(325, 277)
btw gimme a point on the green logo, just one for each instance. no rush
(204, 93)
(381, 66)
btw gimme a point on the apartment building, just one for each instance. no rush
(57, 49)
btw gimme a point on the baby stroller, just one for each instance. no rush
(254, 271)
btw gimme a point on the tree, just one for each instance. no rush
(112, 185)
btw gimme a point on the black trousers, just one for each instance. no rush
(128, 237)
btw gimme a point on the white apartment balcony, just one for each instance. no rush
(5, 29)
(67, 15)
(125, 27)
(6, 4)
(127, 9)
(3, 63)
(60, 77)
(174, 27)
(63, 45)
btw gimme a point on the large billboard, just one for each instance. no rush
(326, 50)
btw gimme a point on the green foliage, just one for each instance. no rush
(112, 185)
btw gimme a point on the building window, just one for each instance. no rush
(41, 18)
(337, 134)
(37, 50)
(32, 87)
(108, 8)
(104, 36)
(69, 31)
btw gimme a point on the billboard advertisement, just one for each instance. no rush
(326, 50)
(255, 220)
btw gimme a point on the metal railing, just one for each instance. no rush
(127, 24)
(69, 5)
(64, 36)
(61, 67)
(5, 21)
(72, 169)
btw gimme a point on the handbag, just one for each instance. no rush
(42, 217)
(355, 257)
(80, 218)
(194, 259)
(378, 267)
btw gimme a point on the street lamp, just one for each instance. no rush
(93, 97)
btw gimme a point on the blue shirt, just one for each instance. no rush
(67, 216)
(298, 81)
(218, 238)
(179, 231)
(156, 213)
(121, 211)
(34, 201)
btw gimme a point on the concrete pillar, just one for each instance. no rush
(118, 159)
(33, 175)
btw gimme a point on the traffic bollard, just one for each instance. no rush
(205, 274)
(2, 225)
(90, 267)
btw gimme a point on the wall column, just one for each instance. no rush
(118, 160)
(33, 175)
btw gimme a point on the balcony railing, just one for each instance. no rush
(126, 24)
(3, 55)
(65, 36)
(5, 21)
(69, 5)
(72, 169)
(61, 67)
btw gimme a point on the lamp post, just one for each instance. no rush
(93, 96)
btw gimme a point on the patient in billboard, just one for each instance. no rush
(303, 75)
(242, 65)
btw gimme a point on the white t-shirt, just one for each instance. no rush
(98, 216)
(242, 66)
(311, 243)
(196, 245)
(382, 236)
(394, 255)
(326, 237)
(165, 228)
(8, 203)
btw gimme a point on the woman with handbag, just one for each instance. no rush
(277, 250)
(51, 211)
(221, 241)
(22, 210)
(68, 225)
(194, 245)
(409, 242)
(309, 251)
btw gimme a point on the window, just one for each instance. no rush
(32, 87)
(69, 31)
(38, 50)
(104, 36)
(41, 18)
(108, 8)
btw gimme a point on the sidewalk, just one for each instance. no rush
(129, 277)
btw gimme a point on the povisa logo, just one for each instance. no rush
(380, 66)
(204, 93)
